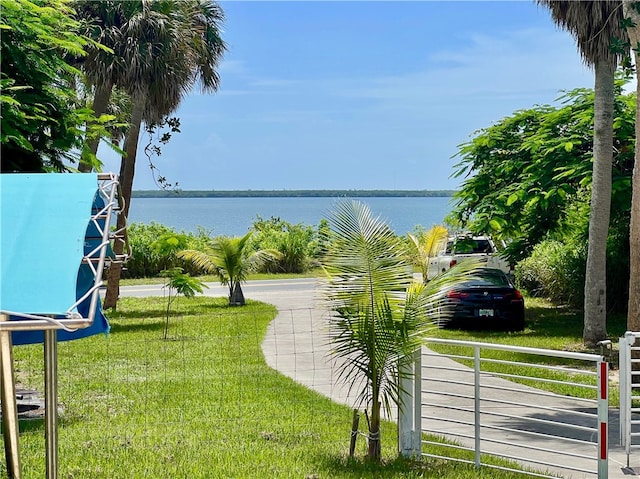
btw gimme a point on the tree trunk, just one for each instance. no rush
(633, 314)
(595, 287)
(127, 171)
(237, 296)
(100, 103)
(375, 449)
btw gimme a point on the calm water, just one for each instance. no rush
(234, 216)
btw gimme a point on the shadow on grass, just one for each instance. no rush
(150, 325)
(37, 424)
(343, 466)
(400, 467)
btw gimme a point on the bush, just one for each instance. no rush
(152, 251)
(554, 270)
(298, 244)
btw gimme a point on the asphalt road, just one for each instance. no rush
(284, 293)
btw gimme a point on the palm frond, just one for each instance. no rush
(369, 276)
(380, 313)
(202, 261)
(425, 247)
(594, 25)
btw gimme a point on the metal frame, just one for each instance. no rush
(479, 411)
(108, 189)
(629, 392)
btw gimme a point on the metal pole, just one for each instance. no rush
(476, 403)
(417, 397)
(9, 405)
(51, 401)
(405, 409)
(603, 419)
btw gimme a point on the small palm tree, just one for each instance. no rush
(228, 259)
(179, 282)
(381, 313)
(425, 246)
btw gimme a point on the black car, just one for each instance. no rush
(486, 300)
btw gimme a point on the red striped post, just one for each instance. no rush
(603, 419)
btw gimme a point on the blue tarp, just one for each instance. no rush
(45, 231)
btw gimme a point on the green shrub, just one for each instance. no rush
(618, 264)
(554, 270)
(154, 246)
(298, 244)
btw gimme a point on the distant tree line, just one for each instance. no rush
(292, 193)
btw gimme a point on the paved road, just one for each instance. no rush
(296, 344)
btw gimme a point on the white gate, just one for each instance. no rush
(482, 410)
(630, 392)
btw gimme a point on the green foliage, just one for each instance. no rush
(230, 260)
(42, 119)
(525, 172)
(297, 245)
(170, 243)
(380, 312)
(177, 283)
(154, 247)
(556, 267)
(554, 270)
(425, 245)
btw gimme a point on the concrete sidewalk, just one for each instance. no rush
(296, 344)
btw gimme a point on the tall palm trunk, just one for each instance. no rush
(101, 99)
(595, 297)
(633, 314)
(127, 171)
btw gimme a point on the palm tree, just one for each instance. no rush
(381, 313)
(594, 24)
(162, 49)
(228, 259)
(425, 246)
(633, 313)
(104, 68)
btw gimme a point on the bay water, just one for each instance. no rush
(234, 216)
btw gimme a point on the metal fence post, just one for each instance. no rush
(10, 428)
(409, 407)
(603, 419)
(417, 402)
(406, 431)
(476, 403)
(51, 402)
(625, 392)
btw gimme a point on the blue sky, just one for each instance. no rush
(361, 95)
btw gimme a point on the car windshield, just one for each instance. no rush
(487, 278)
(472, 245)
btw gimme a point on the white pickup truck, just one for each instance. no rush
(461, 247)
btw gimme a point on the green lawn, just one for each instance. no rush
(202, 404)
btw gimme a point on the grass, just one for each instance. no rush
(201, 404)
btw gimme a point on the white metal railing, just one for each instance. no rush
(629, 392)
(486, 407)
